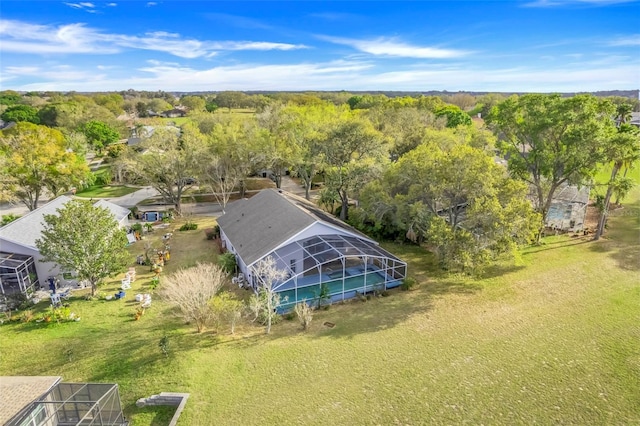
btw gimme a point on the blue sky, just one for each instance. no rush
(528, 45)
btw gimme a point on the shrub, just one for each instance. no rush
(155, 281)
(8, 218)
(305, 314)
(408, 283)
(17, 301)
(103, 177)
(323, 298)
(136, 227)
(27, 316)
(227, 262)
(189, 226)
(164, 345)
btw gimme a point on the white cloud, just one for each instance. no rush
(21, 37)
(337, 75)
(560, 3)
(390, 47)
(632, 40)
(86, 6)
(112, 4)
(60, 74)
(152, 3)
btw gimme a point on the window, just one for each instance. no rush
(292, 264)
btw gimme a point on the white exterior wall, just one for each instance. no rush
(227, 244)
(124, 222)
(43, 269)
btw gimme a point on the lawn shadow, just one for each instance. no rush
(621, 241)
(567, 242)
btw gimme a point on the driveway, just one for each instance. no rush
(133, 199)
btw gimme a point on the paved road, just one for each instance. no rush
(133, 199)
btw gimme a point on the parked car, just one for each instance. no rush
(187, 181)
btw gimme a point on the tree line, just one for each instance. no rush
(404, 168)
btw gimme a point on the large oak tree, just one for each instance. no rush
(35, 160)
(85, 239)
(550, 140)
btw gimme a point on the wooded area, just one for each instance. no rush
(423, 169)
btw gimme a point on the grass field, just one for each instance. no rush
(107, 191)
(554, 339)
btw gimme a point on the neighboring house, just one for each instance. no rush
(140, 134)
(174, 113)
(568, 208)
(47, 401)
(313, 247)
(4, 125)
(20, 268)
(635, 119)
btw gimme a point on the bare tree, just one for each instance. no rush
(268, 276)
(304, 313)
(222, 176)
(192, 289)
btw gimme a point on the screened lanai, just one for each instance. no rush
(346, 265)
(72, 404)
(17, 273)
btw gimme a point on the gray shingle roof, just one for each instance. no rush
(16, 392)
(118, 212)
(258, 225)
(27, 229)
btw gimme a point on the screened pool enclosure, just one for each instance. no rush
(17, 273)
(70, 404)
(345, 265)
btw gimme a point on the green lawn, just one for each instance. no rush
(552, 340)
(106, 191)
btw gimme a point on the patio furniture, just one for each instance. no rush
(65, 294)
(146, 301)
(126, 284)
(119, 295)
(55, 299)
(238, 280)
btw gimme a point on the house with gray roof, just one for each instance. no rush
(568, 209)
(20, 268)
(315, 249)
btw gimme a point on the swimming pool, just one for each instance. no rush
(340, 288)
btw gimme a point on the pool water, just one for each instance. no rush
(352, 283)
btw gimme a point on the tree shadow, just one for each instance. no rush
(568, 242)
(621, 241)
(498, 270)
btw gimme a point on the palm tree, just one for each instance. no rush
(623, 113)
(623, 148)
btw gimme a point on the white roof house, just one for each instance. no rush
(314, 248)
(20, 266)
